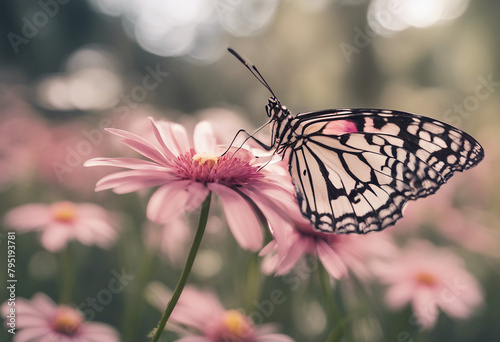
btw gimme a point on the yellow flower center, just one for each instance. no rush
(236, 324)
(206, 158)
(63, 211)
(427, 278)
(67, 321)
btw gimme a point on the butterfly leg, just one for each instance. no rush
(250, 136)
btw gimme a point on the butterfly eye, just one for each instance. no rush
(269, 110)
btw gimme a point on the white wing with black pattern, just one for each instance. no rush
(355, 169)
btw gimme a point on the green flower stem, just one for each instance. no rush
(252, 282)
(133, 311)
(333, 313)
(205, 207)
(423, 335)
(368, 308)
(67, 275)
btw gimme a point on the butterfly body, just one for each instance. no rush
(355, 169)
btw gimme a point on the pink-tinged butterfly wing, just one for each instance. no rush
(355, 169)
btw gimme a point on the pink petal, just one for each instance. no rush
(43, 303)
(174, 198)
(330, 260)
(268, 248)
(29, 316)
(239, 153)
(271, 259)
(55, 237)
(196, 308)
(84, 234)
(99, 332)
(34, 313)
(399, 295)
(161, 140)
(297, 248)
(174, 136)
(33, 334)
(240, 217)
(93, 230)
(57, 337)
(270, 264)
(204, 138)
(274, 338)
(140, 145)
(28, 320)
(129, 181)
(276, 214)
(86, 209)
(457, 308)
(425, 307)
(28, 217)
(460, 297)
(129, 163)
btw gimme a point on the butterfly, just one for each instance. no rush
(355, 169)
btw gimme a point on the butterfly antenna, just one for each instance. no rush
(253, 70)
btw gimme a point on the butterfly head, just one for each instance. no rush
(280, 118)
(275, 110)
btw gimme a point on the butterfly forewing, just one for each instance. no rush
(355, 169)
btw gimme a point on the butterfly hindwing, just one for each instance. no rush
(355, 169)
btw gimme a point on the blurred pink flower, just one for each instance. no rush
(187, 171)
(478, 187)
(458, 226)
(61, 222)
(23, 135)
(41, 320)
(337, 252)
(455, 224)
(429, 278)
(60, 162)
(206, 320)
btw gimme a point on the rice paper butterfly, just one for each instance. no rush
(355, 169)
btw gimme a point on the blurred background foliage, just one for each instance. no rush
(84, 61)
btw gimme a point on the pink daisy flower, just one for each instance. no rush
(187, 171)
(337, 252)
(41, 320)
(200, 316)
(61, 222)
(429, 278)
